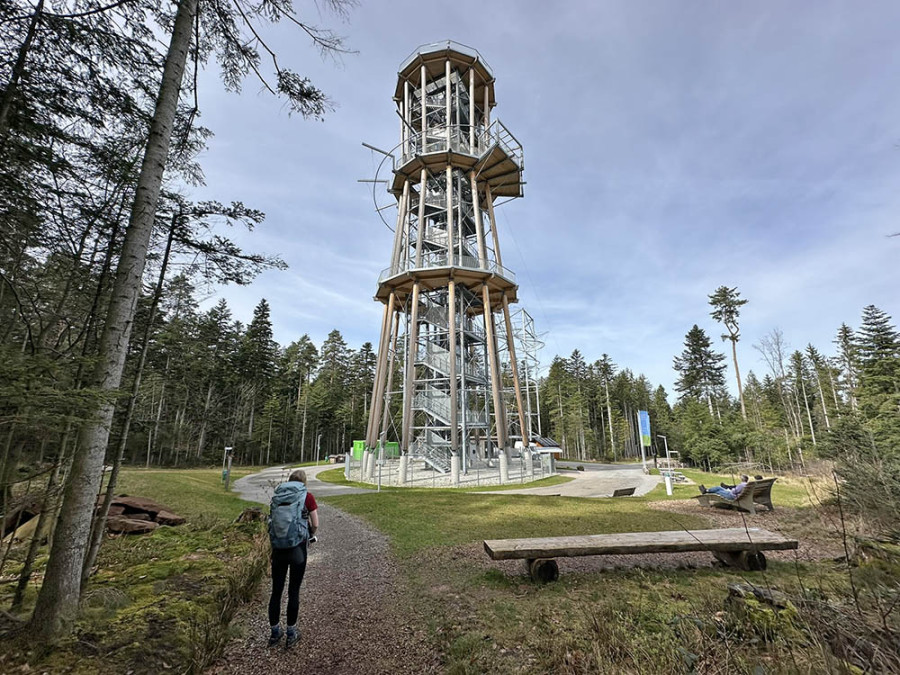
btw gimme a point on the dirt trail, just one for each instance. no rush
(354, 615)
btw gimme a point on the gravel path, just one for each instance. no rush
(355, 614)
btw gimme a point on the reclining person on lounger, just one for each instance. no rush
(726, 493)
(731, 487)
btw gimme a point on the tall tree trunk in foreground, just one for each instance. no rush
(99, 526)
(57, 602)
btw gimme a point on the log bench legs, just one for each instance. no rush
(749, 561)
(545, 570)
(542, 569)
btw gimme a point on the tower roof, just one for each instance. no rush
(433, 56)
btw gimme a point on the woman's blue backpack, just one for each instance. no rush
(287, 526)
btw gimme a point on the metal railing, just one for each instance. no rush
(437, 403)
(436, 259)
(438, 358)
(437, 316)
(436, 139)
(432, 47)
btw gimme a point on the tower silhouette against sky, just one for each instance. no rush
(446, 359)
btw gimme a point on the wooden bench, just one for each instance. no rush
(624, 492)
(737, 547)
(756, 492)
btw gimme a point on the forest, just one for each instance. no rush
(800, 409)
(107, 356)
(102, 251)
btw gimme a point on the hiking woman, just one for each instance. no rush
(293, 519)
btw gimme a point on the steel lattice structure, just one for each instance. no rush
(446, 293)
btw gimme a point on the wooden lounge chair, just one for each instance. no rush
(756, 492)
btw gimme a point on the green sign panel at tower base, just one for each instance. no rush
(391, 449)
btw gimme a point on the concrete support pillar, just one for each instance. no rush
(529, 464)
(347, 459)
(365, 465)
(454, 469)
(504, 467)
(404, 463)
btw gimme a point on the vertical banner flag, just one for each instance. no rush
(644, 417)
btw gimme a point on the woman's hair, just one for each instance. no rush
(299, 476)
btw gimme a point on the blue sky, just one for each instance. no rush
(670, 148)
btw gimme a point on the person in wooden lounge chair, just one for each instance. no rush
(727, 493)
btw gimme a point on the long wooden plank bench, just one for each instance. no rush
(736, 546)
(755, 492)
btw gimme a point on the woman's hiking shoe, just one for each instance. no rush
(275, 636)
(293, 637)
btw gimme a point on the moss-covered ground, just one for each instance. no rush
(158, 602)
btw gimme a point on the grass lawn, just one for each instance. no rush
(419, 518)
(488, 619)
(786, 491)
(150, 605)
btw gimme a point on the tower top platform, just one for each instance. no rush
(434, 55)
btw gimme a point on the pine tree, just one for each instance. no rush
(878, 345)
(700, 368)
(256, 360)
(726, 303)
(849, 359)
(820, 370)
(606, 369)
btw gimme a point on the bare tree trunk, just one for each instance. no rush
(737, 374)
(204, 423)
(612, 436)
(812, 431)
(9, 93)
(269, 442)
(57, 602)
(154, 434)
(48, 510)
(99, 526)
(305, 408)
(837, 405)
(822, 398)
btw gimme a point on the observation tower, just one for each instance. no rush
(446, 364)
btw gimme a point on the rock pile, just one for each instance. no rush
(138, 515)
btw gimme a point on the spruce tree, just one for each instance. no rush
(878, 345)
(848, 357)
(699, 367)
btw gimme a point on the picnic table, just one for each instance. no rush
(737, 547)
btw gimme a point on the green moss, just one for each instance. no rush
(142, 605)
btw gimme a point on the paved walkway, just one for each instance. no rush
(597, 480)
(258, 487)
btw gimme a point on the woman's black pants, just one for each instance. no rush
(284, 559)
